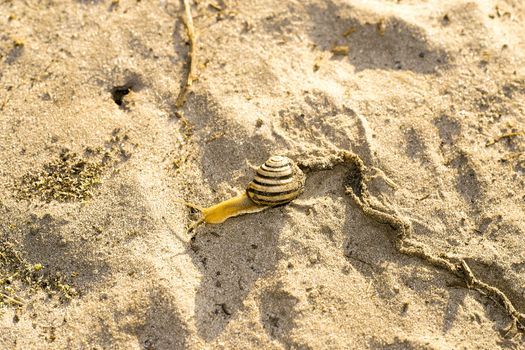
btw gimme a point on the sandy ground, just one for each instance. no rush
(94, 249)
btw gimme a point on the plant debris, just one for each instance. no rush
(505, 136)
(340, 50)
(70, 177)
(349, 31)
(192, 56)
(17, 273)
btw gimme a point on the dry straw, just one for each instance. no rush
(192, 56)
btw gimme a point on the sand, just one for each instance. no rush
(94, 248)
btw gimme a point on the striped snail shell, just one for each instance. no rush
(278, 181)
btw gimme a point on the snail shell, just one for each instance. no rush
(278, 181)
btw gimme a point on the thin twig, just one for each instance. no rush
(13, 300)
(4, 103)
(192, 56)
(505, 136)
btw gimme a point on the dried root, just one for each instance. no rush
(192, 56)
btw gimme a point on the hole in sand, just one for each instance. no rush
(118, 93)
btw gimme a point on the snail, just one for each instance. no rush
(278, 181)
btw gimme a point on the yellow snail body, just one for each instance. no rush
(278, 181)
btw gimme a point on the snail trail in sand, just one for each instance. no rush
(357, 188)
